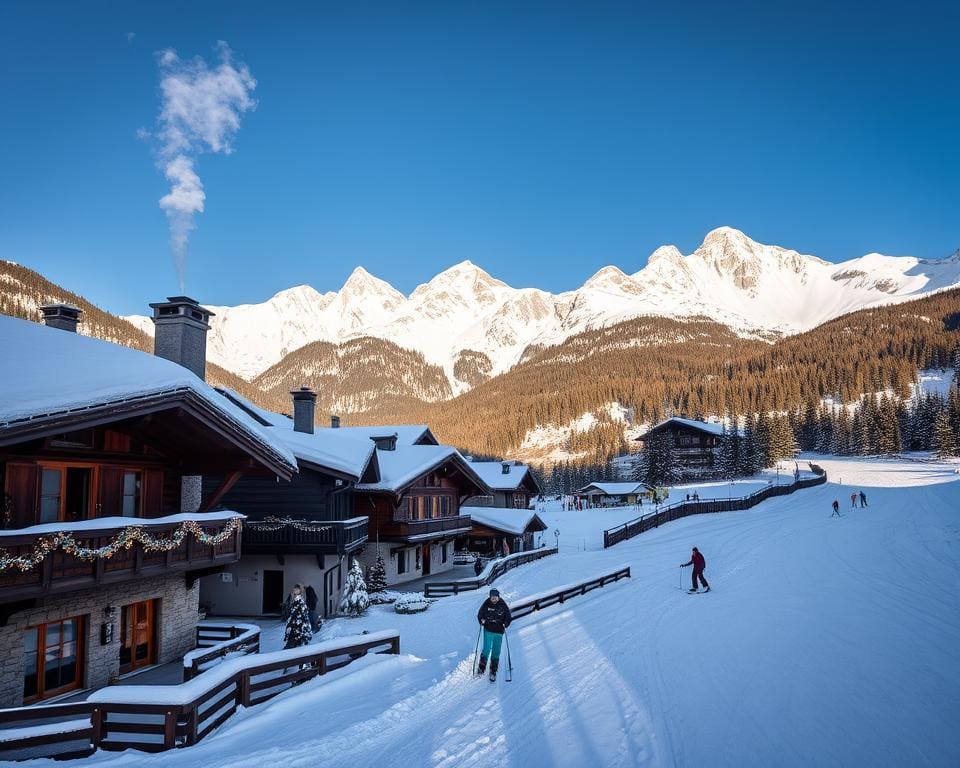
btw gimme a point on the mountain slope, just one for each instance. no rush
(760, 291)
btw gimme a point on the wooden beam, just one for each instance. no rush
(228, 481)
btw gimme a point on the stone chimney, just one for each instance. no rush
(505, 468)
(334, 422)
(180, 332)
(62, 316)
(304, 407)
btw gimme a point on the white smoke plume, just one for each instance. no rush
(200, 111)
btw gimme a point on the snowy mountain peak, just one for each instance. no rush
(362, 285)
(612, 278)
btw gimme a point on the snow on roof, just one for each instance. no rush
(51, 371)
(400, 467)
(407, 434)
(326, 447)
(492, 474)
(513, 521)
(703, 426)
(614, 489)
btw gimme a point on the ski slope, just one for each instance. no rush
(824, 641)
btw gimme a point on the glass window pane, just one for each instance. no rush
(69, 630)
(129, 483)
(50, 482)
(53, 635)
(129, 506)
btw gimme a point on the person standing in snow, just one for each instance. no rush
(311, 599)
(698, 563)
(494, 616)
(853, 500)
(863, 499)
(477, 565)
(836, 508)
(298, 630)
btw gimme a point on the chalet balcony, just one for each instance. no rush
(66, 557)
(286, 536)
(423, 530)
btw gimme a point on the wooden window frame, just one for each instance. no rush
(81, 641)
(63, 466)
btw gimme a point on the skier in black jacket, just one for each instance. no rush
(494, 616)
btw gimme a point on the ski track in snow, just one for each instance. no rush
(824, 641)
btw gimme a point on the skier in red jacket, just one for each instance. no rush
(698, 563)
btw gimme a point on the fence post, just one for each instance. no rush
(170, 729)
(96, 720)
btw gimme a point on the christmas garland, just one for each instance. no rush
(276, 523)
(125, 539)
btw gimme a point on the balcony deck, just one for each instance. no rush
(59, 570)
(333, 537)
(424, 530)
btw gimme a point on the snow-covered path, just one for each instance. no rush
(824, 641)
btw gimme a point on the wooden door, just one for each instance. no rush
(138, 633)
(110, 492)
(425, 559)
(21, 485)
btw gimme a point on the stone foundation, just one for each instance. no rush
(175, 622)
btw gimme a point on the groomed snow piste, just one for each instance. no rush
(824, 641)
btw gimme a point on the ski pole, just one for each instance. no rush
(476, 651)
(509, 661)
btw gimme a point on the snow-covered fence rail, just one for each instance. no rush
(670, 512)
(493, 571)
(155, 718)
(66, 731)
(528, 605)
(215, 640)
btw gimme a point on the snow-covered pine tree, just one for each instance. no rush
(298, 631)
(825, 429)
(377, 581)
(749, 453)
(660, 465)
(354, 600)
(841, 443)
(762, 429)
(724, 455)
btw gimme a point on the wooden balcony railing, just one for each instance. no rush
(410, 529)
(308, 536)
(46, 558)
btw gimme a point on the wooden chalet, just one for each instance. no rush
(301, 532)
(496, 531)
(694, 442)
(513, 485)
(414, 508)
(105, 527)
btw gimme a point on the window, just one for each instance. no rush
(418, 566)
(52, 658)
(402, 561)
(443, 552)
(444, 507)
(50, 495)
(131, 494)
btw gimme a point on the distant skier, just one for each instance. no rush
(836, 508)
(477, 565)
(853, 500)
(494, 616)
(863, 499)
(698, 563)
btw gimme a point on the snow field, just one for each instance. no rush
(825, 641)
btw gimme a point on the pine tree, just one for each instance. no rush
(944, 441)
(298, 631)
(354, 600)
(659, 464)
(378, 575)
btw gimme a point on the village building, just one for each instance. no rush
(612, 494)
(496, 531)
(695, 444)
(513, 485)
(106, 528)
(415, 509)
(301, 532)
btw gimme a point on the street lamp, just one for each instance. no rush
(556, 533)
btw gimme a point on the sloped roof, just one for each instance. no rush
(614, 489)
(493, 475)
(52, 373)
(515, 521)
(706, 427)
(407, 434)
(401, 467)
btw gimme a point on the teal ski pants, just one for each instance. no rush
(491, 644)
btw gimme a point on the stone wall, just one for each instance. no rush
(175, 621)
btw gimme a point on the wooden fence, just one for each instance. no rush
(528, 605)
(215, 640)
(155, 718)
(684, 508)
(493, 572)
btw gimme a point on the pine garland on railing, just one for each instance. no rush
(276, 523)
(125, 539)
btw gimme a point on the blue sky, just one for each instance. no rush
(541, 141)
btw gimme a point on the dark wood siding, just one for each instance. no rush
(20, 483)
(309, 495)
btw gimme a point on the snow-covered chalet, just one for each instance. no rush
(106, 528)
